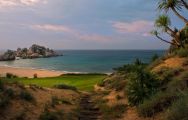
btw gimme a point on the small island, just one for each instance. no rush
(35, 51)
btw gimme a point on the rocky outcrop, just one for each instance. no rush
(35, 51)
(8, 56)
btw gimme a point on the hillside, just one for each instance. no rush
(18, 102)
(157, 91)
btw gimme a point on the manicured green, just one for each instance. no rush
(84, 82)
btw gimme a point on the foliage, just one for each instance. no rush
(35, 75)
(9, 92)
(25, 95)
(10, 75)
(54, 101)
(179, 110)
(141, 85)
(112, 112)
(63, 86)
(154, 57)
(156, 103)
(182, 52)
(48, 116)
(1, 85)
(167, 74)
(4, 101)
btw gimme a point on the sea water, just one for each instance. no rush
(95, 61)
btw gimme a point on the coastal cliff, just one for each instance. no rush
(35, 51)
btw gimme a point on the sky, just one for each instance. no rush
(80, 24)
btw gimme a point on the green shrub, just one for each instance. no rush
(101, 83)
(154, 57)
(54, 101)
(35, 75)
(65, 101)
(4, 101)
(2, 86)
(9, 92)
(141, 85)
(179, 110)
(167, 74)
(182, 52)
(10, 75)
(154, 64)
(20, 115)
(63, 86)
(48, 116)
(113, 112)
(118, 97)
(25, 95)
(156, 103)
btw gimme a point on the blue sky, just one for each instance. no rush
(80, 24)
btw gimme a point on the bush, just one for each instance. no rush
(9, 92)
(118, 97)
(63, 86)
(20, 115)
(167, 74)
(179, 110)
(10, 75)
(156, 103)
(48, 116)
(141, 85)
(113, 112)
(101, 83)
(54, 101)
(154, 57)
(25, 95)
(4, 101)
(1, 85)
(35, 75)
(182, 52)
(154, 64)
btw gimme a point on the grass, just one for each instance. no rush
(84, 82)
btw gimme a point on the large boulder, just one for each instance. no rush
(8, 56)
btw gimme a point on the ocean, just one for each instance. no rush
(94, 61)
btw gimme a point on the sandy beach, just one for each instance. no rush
(27, 72)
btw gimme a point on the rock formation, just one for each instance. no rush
(35, 51)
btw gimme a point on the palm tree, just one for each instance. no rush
(164, 22)
(156, 33)
(174, 5)
(185, 4)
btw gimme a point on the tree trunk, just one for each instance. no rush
(166, 41)
(185, 4)
(180, 16)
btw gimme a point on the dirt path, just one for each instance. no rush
(88, 109)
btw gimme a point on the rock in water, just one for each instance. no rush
(8, 56)
(35, 51)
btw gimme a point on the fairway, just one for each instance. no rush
(84, 82)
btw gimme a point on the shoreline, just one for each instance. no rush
(41, 73)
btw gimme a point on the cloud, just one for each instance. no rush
(12, 3)
(73, 32)
(141, 27)
(94, 37)
(49, 27)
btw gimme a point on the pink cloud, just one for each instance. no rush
(12, 3)
(94, 37)
(49, 27)
(138, 27)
